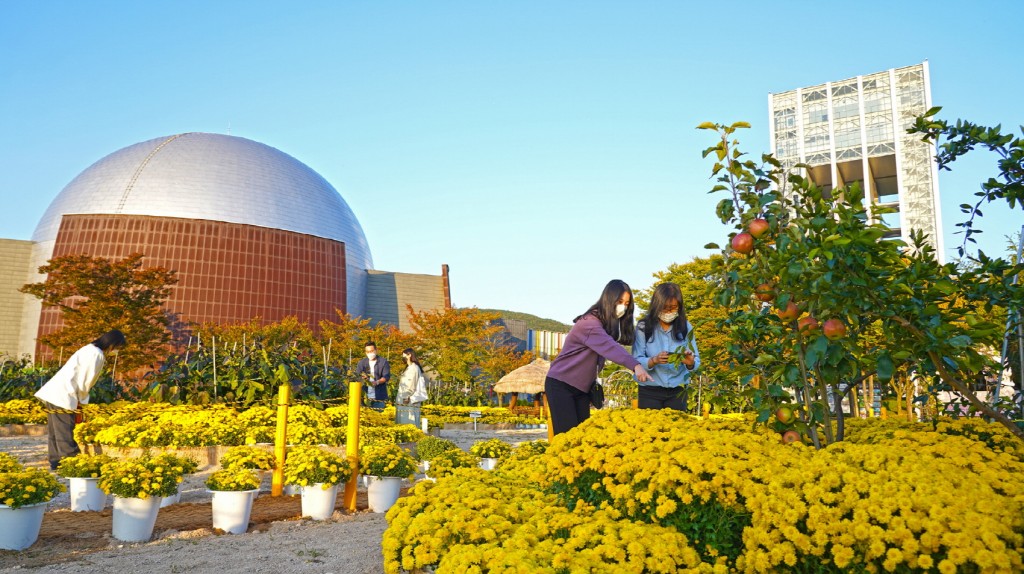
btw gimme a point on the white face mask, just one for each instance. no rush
(620, 310)
(668, 317)
(371, 356)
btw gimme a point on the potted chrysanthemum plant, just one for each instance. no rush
(83, 474)
(385, 465)
(490, 451)
(139, 486)
(24, 493)
(232, 490)
(319, 473)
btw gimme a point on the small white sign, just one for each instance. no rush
(475, 414)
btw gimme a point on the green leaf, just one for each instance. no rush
(712, 246)
(817, 411)
(816, 350)
(960, 341)
(884, 367)
(707, 126)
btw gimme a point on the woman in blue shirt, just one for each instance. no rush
(659, 334)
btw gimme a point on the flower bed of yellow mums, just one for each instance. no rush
(22, 411)
(248, 457)
(439, 415)
(653, 491)
(146, 425)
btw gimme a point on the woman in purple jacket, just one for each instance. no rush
(596, 336)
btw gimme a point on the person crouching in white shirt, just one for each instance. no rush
(64, 394)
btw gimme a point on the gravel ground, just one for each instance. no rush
(348, 543)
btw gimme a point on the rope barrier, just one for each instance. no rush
(94, 411)
(91, 408)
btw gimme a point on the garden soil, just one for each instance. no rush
(278, 540)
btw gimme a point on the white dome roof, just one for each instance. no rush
(220, 178)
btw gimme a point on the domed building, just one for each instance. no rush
(251, 231)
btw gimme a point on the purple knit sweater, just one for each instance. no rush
(586, 348)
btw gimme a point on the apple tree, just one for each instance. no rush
(819, 299)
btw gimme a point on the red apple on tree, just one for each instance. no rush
(790, 436)
(790, 313)
(758, 227)
(764, 292)
(807, 324)
(784, 415)
(743, 243)
(834, 329)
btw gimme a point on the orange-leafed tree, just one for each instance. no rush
(96, 294)
(464, 345)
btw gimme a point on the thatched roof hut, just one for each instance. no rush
(526, 379)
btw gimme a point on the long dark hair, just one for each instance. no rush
(662, 295)
(620, 329)
(412, 357)
(112, 338)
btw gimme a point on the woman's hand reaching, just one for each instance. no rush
(641, 374)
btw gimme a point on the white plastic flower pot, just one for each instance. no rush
(19, 527)
(134, 518)
(232, 509)
(488, 463)
(383, 492)
(318, 503)
(172, 499)
(86, 495)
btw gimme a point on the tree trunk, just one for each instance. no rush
(964, 389)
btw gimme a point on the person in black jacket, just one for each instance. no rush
(375, 371)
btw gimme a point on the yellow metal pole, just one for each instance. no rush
(355, 398)
(284, 393)
(547, 415)
(870, 401)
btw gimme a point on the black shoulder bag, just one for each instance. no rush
(597, 395)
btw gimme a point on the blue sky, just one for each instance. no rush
(538, 148)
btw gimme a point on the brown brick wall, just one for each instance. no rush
(227, 272)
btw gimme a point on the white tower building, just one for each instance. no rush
(855, 130)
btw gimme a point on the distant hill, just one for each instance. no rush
(532, 321)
